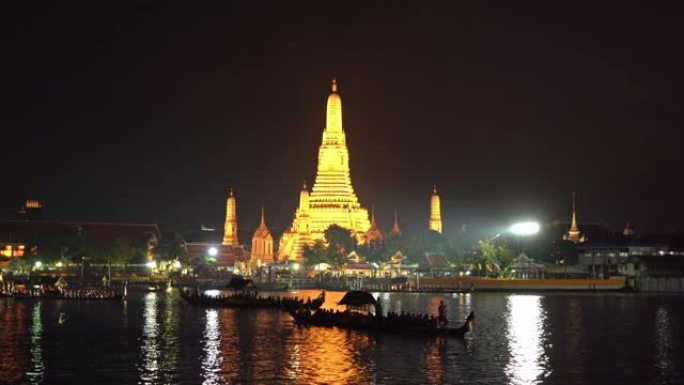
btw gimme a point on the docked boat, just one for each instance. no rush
(355, 318)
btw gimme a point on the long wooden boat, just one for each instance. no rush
(240, 300)
(373, 323)
(94, 296)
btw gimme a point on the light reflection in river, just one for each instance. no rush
(37, 371)
(149, 346)
(211, 355)
(663, 345)
(525, 326)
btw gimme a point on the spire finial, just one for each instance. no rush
(573, 202)
(333, 85)
(395, 228)
(262, 215)
(573, 223)
(304, 185)
(434, 188)
(373, 214)
(231, 192)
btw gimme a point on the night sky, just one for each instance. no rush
(149, 112)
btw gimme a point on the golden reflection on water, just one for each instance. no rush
(21, 353)
(330, 356)
(435, 362)
(14, 361)
(525, 325)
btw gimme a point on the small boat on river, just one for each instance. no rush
(355, 318)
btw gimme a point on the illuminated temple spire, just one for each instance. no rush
(574, 234)
(332, 199)
(435, 212)
(396, 231)
(374, 234)
(262, 243)
(230, 236)
(573, 225)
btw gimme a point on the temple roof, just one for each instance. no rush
(262, 231)
(434, 261)
(373, 233)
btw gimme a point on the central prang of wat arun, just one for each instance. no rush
(332, 200)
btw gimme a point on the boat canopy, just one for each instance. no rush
(357, 298)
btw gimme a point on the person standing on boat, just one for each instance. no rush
(442, 319)
(378, 309)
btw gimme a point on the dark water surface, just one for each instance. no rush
(155, 338)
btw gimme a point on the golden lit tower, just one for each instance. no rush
(435, 212)
(332, 199)
(574, 234)
(262, 243)
(230, 236)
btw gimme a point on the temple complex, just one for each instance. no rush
(332, 199)
(574, 235)
(435, 222)
(230, 236)
(262, 243)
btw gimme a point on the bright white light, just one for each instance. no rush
(176, 264)
(213, 251)
(39, 264)
(295, 266)
(151, 264)
(59, 264)
(525, 228)
(321, 267)
(468, 272)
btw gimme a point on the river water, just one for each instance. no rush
(155, 338)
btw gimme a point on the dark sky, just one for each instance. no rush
(149, 112)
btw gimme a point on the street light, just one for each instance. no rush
(38, 264)
(524, 228)
(213, 251)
